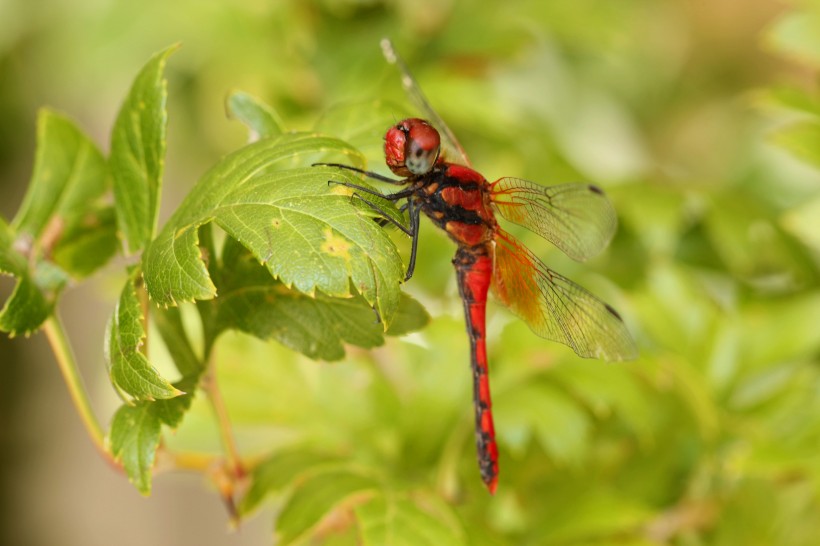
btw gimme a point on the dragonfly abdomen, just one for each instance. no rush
(474, 266)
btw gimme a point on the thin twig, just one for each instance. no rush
(55, 333)
(211, 388)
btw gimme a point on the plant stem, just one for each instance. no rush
(55, 333)
(211, 388)
(196, 462)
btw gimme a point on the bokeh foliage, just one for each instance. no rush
(701, 123)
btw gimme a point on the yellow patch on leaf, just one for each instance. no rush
(339, 189)
(335, 245)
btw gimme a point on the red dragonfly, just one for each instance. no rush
(439, 181)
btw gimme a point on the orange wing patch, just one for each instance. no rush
(556, 308)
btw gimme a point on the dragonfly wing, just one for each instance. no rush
(577, 218)
(453, 151)
(555, 307)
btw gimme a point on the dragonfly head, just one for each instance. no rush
(411, 147)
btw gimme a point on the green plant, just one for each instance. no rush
(710, 438)
(297, 260)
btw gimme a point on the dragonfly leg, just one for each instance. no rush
(385, 217)
(383, 221)
(389, 196)
(414, 228)
(368, 174)
(412, 231)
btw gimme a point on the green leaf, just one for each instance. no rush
(802, 139)
(128, 368)
(561, 425)
(791, 98)
(411, 317)
(61, 228)
(134, 438)
(69, 175)
(138, 153)
(607, 389)
(261, 119)
(595, 514)
(171, 411)
(316, 498)
(280, 471)
(11, 262)
(803, 222)
(389, 520)
(797, 34)
(309, 234)
(781, 330)
(26, 309)
(88, 244)
(736, 222)
(33, 297)
(134, 434)
(317, 326)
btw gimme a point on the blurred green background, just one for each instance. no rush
(685, 112)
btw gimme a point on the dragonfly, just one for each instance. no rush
(437, 179)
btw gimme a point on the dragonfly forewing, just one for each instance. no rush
(577, 218)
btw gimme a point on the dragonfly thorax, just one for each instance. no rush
(456, 199)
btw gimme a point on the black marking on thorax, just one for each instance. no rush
(436, 207)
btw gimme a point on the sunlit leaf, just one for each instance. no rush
(138, 153)
(792, 98)
(135, 432)
(69, 175)
(280, 471)
(390, 520)
(796, 34)
(128, 367)
(801, 139)
(804, 223)
(60, 229)
(309, 234)
(316, 498)
(134, 439)
(594, 514)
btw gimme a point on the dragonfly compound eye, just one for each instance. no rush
(411, 147)
(394, 144)
(422, 146)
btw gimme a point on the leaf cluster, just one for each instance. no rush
(295, 258)
(709, 439)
